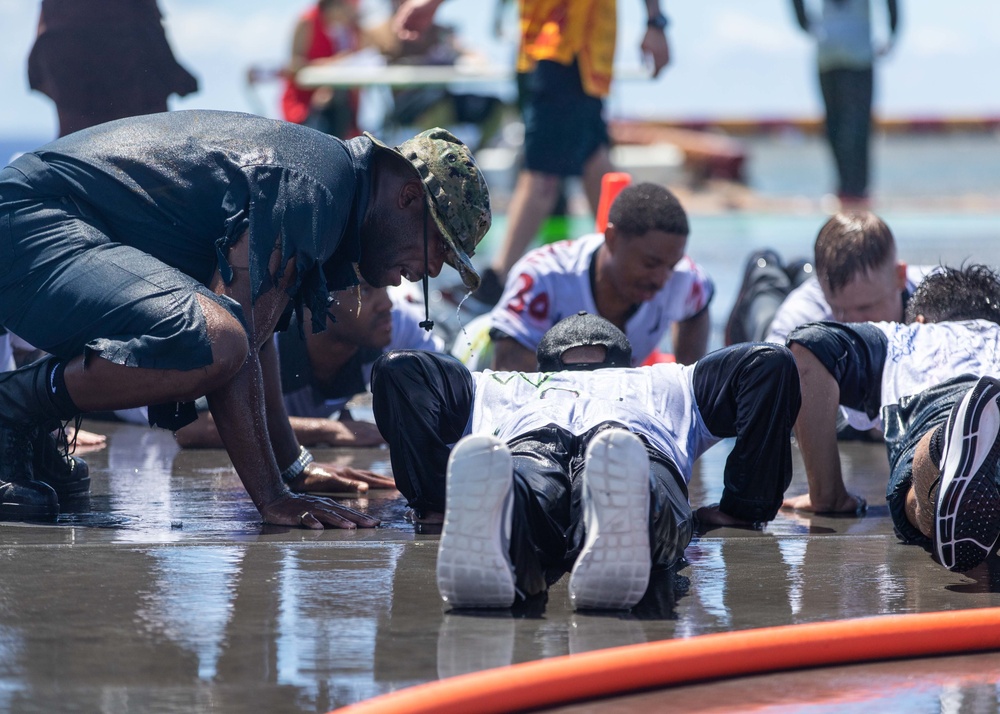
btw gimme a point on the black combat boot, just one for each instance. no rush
(68, 475)
(22, 498)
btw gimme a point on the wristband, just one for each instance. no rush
(297, 466)
(658, 21)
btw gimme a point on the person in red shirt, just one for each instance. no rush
(326, 31)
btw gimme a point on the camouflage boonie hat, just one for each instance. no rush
(456, 191)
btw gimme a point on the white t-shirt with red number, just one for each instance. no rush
(553, 282)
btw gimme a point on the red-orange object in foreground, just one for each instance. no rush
(604, 673)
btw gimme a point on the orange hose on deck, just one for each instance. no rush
(603, 673)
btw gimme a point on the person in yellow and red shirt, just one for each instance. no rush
(564, 69)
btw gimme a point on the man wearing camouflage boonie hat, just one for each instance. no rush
(457, 198)
(153, 257)
(457, 195)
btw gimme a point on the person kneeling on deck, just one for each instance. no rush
(578, 469)
(153, 257)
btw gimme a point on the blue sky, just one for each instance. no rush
(731, 58)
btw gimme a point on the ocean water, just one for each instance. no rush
(792, 164)
(13, 146)
(902, 165)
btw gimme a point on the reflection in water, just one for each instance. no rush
(792, 555)
(139, 467)
(471, 641)
(710, 594)
(224, 614)
(190, 598)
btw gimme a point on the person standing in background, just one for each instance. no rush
(845, 57)
(326, 31)
(565, 65)
(104, 59)
(435, 105)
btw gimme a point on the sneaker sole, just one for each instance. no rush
(612, 571)
(473, 567)
(740, 307)
(967, 518)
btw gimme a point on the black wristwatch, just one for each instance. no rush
(658, 21)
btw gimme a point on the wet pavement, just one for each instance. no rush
(163, 592)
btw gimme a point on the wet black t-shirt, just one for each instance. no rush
(184, 186)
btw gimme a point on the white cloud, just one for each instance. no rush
(736, 31)
(217, 31)
(925, 41)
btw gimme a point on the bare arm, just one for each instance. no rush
(690, 337)
(283, 441)
(238, 408)
(414, 17)
(893, 11)
(300, 45)
(893, 15)
(309, 432)
(800, 14)
(334, 432)
(317, 477)
(816, 433)
(509, 355)
(654, 44)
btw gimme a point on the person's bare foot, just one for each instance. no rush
(85, 440)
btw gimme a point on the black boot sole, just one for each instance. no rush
(70, 491)
(22, 512)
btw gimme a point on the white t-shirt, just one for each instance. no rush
(920, 356)
(553, 282)
(657, 402)
(807, 304)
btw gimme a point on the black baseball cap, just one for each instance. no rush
(583, 330)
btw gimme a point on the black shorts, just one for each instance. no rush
(563, 126)
(69, 288)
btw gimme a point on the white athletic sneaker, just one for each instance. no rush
(612, 571)
(967, 517)
(473, 567)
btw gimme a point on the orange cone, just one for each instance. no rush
(611, 185)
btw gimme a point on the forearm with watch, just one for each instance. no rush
(655, 18)
(297, 467)
(291, 457)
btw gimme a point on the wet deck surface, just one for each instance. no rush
(164, 593)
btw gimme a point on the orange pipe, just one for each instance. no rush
(604, 673)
